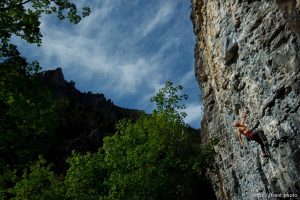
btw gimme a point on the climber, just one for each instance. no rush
(258, 136)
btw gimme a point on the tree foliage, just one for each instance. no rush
(22, 18)
(85, 176)
(169, 99)
(39, 183)
(28, 110)
(157, 157)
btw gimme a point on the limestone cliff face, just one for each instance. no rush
(247, 54)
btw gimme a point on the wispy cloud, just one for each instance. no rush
(95, 49)
(157, 17)
(194, 113)
(188, 77)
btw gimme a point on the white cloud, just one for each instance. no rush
(188, 77)
(159, 17)
(125, 74)
(131, 75)
(92, 48)
(194, 113)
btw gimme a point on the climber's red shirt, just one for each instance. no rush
(249, 135)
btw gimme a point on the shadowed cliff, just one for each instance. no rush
(86, 119)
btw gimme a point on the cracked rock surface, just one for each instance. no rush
(247, 55)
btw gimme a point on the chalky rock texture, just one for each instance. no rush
(247, 54)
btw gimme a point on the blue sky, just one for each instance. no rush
(126, 50)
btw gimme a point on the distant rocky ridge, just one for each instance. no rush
(86, 119)
(247, 54)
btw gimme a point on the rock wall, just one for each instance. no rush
(247, 55)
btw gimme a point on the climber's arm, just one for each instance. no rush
(244, 116)
(239, 137)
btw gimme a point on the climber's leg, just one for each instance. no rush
(259, 138)
(265, 142)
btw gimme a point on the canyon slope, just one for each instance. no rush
(86, 118)
(247, 56)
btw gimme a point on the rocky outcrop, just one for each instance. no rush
(53, 76)
(247, 55)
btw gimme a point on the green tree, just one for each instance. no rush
(169, 99)
(85, 176)
(7, 174)
(158, 157)
(28, 121)
(22, 17)
(28, 108)
(39, 183)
